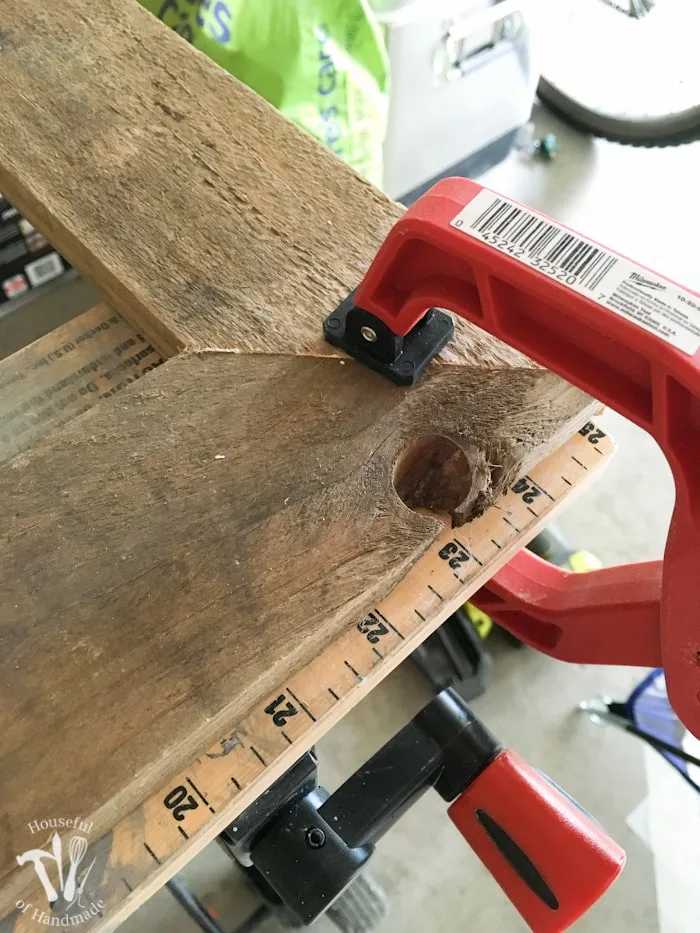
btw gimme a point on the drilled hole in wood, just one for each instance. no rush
(433, 474)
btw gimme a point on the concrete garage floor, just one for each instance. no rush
(646, 204)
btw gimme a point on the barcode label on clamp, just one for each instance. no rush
(646, 299)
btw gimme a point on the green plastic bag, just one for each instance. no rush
(322, 63)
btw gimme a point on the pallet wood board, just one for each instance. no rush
(169, 553)
(54, 382)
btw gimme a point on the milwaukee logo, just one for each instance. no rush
(647, 283)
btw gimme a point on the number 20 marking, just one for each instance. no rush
(179, 801)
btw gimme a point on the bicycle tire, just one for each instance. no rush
(674, 130)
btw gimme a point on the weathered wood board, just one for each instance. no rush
(56, 380)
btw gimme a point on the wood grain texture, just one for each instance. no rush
(173, 553)
(204, 216)
(190, 567)
(170, 554)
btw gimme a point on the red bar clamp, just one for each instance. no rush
(620, 332)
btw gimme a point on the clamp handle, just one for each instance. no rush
(427, 262)
(552, 861)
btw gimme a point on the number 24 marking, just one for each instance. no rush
(529, 493)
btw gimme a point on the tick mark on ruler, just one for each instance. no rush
(128, 886)
(235, 783)
(151, 853)
(258, 755)
(457, 577)
(351, 668)
(583, 465)
(392, 627)
(200, 794)
(333, 694)
(303, 705)
(534, 483)
(510, 524)
(182, 832)
(378, 653)
(532, 512)
(465, 548)
(284, 734)
(433, 590)
(421, 617)
(566, 481)
(598, 451)
(493, 541)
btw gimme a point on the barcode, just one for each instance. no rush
(585, 264)
(44, 269)
(641, 297)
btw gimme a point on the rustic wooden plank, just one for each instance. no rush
(170, 553)
(148, 845)
(206, 218)
(119, 145)
(40, 391)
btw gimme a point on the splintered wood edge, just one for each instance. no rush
(90, 358)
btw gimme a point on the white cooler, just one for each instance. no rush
(463, 80)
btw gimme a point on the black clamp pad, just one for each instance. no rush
(401, 359)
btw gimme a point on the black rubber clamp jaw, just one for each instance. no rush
(368, 339)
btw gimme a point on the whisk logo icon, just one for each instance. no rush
(63, 870)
